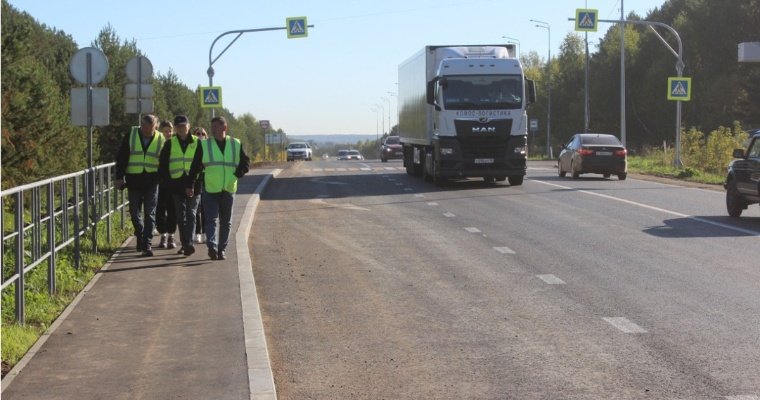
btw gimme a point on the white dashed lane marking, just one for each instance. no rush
(504, 250)
(432, 204)
(624, 325)
(419, 195)
(551, 279)
(449, 215)
(472, 229)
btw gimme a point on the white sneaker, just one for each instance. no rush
(198, 238)
(162, 244)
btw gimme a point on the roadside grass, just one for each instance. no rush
(43, 308)
(652, 165)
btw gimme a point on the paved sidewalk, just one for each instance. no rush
(166, 327)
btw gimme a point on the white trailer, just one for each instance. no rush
(462, 113)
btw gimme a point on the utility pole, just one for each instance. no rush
(545, 25)
(622, 75)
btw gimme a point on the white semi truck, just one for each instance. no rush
(462, 113)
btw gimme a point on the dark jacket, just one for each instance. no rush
(178, 186)
(139, 181)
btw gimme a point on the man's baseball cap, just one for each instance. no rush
(181, 120)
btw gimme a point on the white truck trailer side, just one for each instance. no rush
(462, 113)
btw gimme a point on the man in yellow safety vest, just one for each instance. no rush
(137, 170)
(223, 161)
(177, 158)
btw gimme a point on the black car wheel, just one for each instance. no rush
(734, 203)
(516, 180)
(622, 176)
(575, 173)
(561, 171)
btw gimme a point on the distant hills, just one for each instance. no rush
(331, 139)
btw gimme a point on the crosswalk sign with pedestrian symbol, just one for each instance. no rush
(296, 27)
(211, 96)
(586, 20)
(679, 89)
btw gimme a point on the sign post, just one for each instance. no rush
(89, 107)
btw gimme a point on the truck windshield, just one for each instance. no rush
(479, 92)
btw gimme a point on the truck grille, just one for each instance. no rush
(483, 140)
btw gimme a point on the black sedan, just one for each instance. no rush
(596, 153)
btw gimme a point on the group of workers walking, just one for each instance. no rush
(176, 179)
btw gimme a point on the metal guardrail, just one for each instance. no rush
(50, 215)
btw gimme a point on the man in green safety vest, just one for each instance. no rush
(177, 158)
(137, 170)
(223, 161)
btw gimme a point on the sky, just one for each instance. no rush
(341, 79)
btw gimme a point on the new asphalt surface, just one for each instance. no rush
(164, 327)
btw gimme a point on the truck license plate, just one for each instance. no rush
(484, 161)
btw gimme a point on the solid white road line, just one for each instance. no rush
(432, 203)
(624, 325)
(743, 397)
(642, 205)
(419, 195)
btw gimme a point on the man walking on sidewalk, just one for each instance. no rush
(177, 158)
(224, 161)
(137, 170)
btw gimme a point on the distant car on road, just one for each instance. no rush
(743, 179)
(391, 148)
(299, 151)
(596, 153)
(349, 155)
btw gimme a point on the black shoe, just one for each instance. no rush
(212, 254)
(189, 250)
(147, 252)
(222, 255)
(181, 250)
(139, 246)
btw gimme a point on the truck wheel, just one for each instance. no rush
(734, 203)
(501, 178)
(516, 180)
(622, 176)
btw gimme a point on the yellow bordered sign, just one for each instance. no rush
(297, 27)
(586, 20)
(679, 89)
(211, 96)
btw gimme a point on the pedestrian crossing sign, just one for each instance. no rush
(211, 96)
(679, 89)
(586, 20)
(297, 27)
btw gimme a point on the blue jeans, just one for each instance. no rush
(146, 200)
(218, 206)
(186, 209)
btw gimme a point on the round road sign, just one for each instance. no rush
(139, 68)
(98, 65)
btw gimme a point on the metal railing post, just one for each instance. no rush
(77, 239)
(51, 237)
(20, 317)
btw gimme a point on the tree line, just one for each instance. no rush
(723, 90)
(38, 140)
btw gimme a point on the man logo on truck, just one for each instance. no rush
(484, 129)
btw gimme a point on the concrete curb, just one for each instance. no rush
(260, 378)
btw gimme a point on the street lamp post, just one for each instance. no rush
(512, 40)
(389, 113)
(393, 94)
(545, 25)
(382, 107)
(240, 32)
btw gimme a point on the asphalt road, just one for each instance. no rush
(377, 285)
